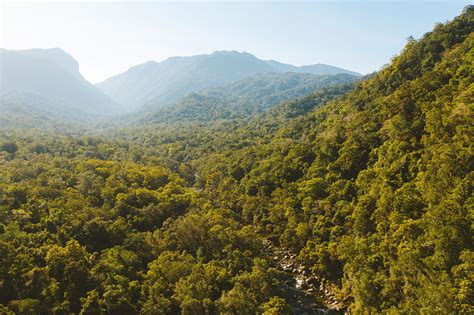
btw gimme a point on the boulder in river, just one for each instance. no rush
(301, 284)
(313, 281)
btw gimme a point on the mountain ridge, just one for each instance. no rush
(51, 74)
(244, 98)
(166, 81)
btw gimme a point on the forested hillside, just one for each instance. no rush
(369, 185)
(243, 98)
(163, 83)
(112, 223)
(84, 228)
(374, 190)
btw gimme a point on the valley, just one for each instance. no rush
(227, 184)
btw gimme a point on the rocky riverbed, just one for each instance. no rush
(308, 293)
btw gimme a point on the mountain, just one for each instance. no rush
(49, 74)
(352, 199)
(24, 110)
(244, 98)
(167, 81)
(318, 68)
(374, 190)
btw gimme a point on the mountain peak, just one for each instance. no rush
(53, 55)
(233, 53)
(148, 64)
(166, 81)
(230, 52)
(50, 74)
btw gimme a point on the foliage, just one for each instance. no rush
(371, 185)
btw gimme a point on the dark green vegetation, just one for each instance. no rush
(85, 228)
(371, 185)
(244, 98)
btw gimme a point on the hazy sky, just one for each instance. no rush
(108, 37)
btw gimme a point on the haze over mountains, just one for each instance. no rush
(49, 76)
(279, 193)
(42, 81)
(165, 82)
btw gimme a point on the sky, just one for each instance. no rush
(108, 37)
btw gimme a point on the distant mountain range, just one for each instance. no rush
(41, 76)
(44, 81)
(318, 68)
(164, 82)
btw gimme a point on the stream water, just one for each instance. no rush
(307, 293)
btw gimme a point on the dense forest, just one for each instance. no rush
(369, 184)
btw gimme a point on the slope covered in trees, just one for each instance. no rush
(165, 82)
(86, 229)
(374, 190)
(112, 224)
(243, 98)
(371, 185)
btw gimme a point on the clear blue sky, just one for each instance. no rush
(108, 37)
